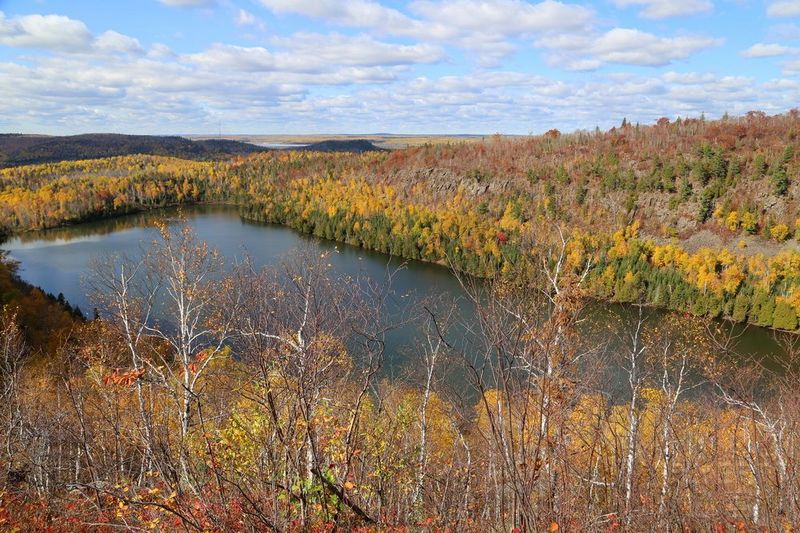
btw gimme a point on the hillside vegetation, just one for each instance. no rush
(210, 397)
(30, 149)
(693, 216)
(262, 409)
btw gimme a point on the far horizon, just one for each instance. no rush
(332, 134)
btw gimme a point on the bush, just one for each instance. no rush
(779, 232)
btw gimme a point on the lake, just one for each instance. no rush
(58, 261)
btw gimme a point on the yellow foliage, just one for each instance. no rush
(732, 221)
(779, 232)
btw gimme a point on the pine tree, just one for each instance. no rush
(741, 306)
(780, 181)
(766, 312)
(785, 316)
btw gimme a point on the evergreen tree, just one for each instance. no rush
(741, 306)
(685, 190)
(780, 181)
(766, 312)
(706, 204)
(785, 316)
(760, 166)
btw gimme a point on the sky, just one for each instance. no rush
(387, 66)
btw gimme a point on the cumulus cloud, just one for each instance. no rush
(636, 47)
(358, 50)
(114, 42)
(622, 46)
(784, 8)
(354, 13)
(62, 34)
(767, 50)
(510, 101)
(659, 9)
(53, 32)
(315, 53)
(456, 18)
(481, 26)
(491, 29)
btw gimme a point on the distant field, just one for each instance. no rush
(381, 140)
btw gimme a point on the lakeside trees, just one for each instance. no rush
(291, 425)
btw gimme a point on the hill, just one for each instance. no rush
(356, 146)
(31, 149)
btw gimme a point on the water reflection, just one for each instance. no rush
(59, 260)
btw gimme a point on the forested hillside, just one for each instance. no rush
(30, 149)
(693, 216)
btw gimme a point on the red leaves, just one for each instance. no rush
(125, 379)
(197, 361)
(502, 237)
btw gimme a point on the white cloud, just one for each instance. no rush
(658, 9)
(458, 18)
(159, 51)
(54, 32)
(791, 68)
(621, 46)
(353, 13)
(481, 26)
(245, 18)
(235, 58)
(112, 42)
(635, 47)
(360, 50)
(767, 50)
(315, 53)
(785, 8)
(63, 35)
(445, 19)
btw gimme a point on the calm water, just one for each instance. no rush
(59, 262)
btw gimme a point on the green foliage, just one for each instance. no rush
(780, 181)
(685, 190)
(706, 204)
(562, 176)
(785, 317)
(741, 307)
(760, 167)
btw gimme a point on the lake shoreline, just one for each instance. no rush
(104, 217)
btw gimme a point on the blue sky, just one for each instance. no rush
(364, 66)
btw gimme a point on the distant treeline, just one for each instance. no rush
(31, 149)
(19, 149)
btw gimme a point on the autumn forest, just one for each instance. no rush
(205, 394)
